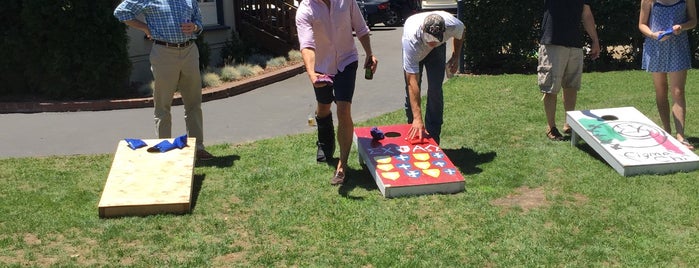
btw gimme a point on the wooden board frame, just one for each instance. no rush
(142, 183)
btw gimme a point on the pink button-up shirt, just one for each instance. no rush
(329, 32)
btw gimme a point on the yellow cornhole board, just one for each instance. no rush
(630, 142)
(142, 183)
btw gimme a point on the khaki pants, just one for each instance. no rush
(177, 69)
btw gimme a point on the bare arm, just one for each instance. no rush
(643, 19)
(371, 60)
(691, 18)
(453, 63)
(139, 25)
(309, 60)
(418, 126)
(589, 25)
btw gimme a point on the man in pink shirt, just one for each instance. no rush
(326, 41)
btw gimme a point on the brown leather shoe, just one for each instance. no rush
(204, 155)
(339, 178)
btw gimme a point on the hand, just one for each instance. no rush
(188, 27)
(314, 80)
(677, 29)
(416, 130)
(371, 62)
(452, 65)
(594, 50)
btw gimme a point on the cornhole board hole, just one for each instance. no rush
(402, 168)
(630, 142)
(142, 183)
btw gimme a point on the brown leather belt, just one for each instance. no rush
(178, 45)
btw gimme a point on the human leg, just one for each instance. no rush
(572, 77)
(551, 67)
(661, 100)
(679, 106)
(325, 125)
(434, 111)
(550, 101)
(570, 97)
(345, 131)
(190, 90)
(166, 75)
(344, 91)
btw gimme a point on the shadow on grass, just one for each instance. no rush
(357, 178)
(353, 179)
(219, 161)
(198, 181)
(468, 160)
(591, 152)
(693, 140)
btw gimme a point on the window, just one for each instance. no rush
(211, 12)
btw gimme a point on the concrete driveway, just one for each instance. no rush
(281, 108)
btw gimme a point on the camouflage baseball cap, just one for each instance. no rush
(434, 25)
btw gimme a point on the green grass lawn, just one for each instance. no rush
(528, 201)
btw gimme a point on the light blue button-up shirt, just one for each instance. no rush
(163, 17)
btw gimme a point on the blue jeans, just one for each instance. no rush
(435, 64)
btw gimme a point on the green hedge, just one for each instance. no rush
(502, 35)
(65, 49)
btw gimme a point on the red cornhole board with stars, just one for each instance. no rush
(403, 168)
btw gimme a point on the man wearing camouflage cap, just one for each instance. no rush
(424, 45)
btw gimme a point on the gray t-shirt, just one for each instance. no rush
(414, 48)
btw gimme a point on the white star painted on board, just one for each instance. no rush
(403, 157)
(439, 163)
(413, 173)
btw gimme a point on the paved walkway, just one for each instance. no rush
(277, 109)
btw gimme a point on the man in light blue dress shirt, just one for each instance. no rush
(173, 25)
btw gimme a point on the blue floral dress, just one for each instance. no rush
(673, 54)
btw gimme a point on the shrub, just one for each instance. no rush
(276, 62)
(230, 73)
(146, 89)
(71, 49)
(258, 59)
(211, 80)
(204, 53)
(234, 50)
(294, 56)
(502, 36)
(246, 70)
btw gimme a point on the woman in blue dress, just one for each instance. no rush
(666, 54)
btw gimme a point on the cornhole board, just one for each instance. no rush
(401, 168)
(142, 183)
(630, 142)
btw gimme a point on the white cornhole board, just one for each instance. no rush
(142, 183)
(630, 142)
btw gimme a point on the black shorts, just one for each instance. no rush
(342, 88)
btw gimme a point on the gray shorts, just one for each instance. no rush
(559, 67)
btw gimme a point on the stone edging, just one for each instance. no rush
(225, 90)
